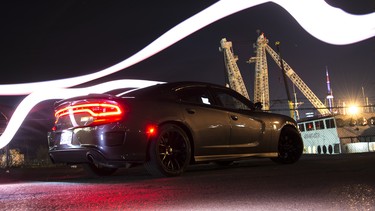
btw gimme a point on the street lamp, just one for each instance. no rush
(353, 110)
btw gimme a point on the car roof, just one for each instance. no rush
(165, 88)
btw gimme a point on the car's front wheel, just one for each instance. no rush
(290, 146)
(169, 152)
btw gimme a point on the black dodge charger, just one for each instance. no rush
(166, 127)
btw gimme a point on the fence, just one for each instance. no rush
(358, 144)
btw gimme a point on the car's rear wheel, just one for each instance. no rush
(169, 152)
(290, 146)
(97, 170)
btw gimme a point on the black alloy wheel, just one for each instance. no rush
(169, 152)
(290, 147)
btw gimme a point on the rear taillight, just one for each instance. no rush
(90, 112)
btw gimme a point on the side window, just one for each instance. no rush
(330, 123)
(319, 125)
(301, 127)
(309, 126)
(230, 101)
(196, 95)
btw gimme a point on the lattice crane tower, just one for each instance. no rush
(234, 75)
(261, 85)
(261, 89)
(297, 81)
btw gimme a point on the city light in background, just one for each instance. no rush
(331, 26)
(353, 110)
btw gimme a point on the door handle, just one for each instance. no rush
(190, 111)
(234, 117)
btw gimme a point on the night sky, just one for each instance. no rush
(45, 40)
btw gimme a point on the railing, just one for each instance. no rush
(358, 144)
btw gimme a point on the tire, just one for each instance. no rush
(96, 170)
(169, 152)
(290, 146)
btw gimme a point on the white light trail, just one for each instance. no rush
(61, 93)
(326, 23)
(329, 24)
(211, 14)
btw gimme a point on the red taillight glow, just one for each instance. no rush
(151, 130)
(89, 113)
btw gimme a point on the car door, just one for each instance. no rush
(247, 131)
(210, 126)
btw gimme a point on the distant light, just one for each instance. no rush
(353, 110)
(309, 114)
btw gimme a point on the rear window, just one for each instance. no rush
(120, 92)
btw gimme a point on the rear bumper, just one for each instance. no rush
(107, 145)
(77, 156)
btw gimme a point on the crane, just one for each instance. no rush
(298, 82)
(261, 66)
(234, 75)
(261, 84)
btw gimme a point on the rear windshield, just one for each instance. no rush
(120, 92)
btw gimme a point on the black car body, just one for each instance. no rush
(167, 127)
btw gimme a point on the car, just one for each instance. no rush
(167, 127)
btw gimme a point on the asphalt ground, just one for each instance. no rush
(316, 182)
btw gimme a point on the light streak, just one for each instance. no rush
(329, 24)
(324, 22)
(34, 98)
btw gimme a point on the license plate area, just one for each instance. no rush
(66, 137)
